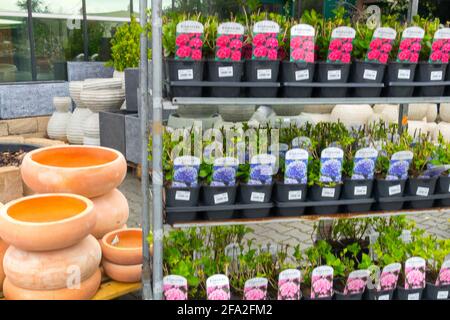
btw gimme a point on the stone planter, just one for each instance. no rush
(57, 125)
(112, 129)
(131, 88)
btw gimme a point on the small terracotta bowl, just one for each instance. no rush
(128, 249)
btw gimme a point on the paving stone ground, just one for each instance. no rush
(291, 233)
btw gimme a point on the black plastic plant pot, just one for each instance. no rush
(324, 194)
(430, 72)
(214, 196)
(443, 187)
(262, 71)
(292, 71)
(225, 71)
(373, 294)
(185, 70)
(255, 194)
(433, 292)
(332, 73)
(182, 196)
(390, 189)
(290, 193)
(408, 294)
(341, 296)
(357, 189)
(399, 72)
(174, 217)
(367, 72)
(420, 188)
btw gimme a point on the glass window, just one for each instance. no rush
(58, 36)
(15, 58)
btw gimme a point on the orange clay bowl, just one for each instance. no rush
(111, 211)
(89, 171)
(86, 290)
(128, 251)
(51, 270)
(122, 273)
(46, 221)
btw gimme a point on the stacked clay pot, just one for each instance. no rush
(90, 171)
(51, 254)
(122, 254)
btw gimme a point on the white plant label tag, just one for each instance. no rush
(175, 287)
(183, 195)
(185, 74)
(334, 75)
(189, 26)
(255, 289)
(343, 32)
(230, 28)
(295, 195)
(322, 282)
(422, 191)
(436, 76)
(383, 297)
(266, 26)
(328, 192)
(415, 273)
(385, 33)
(413, 32)
(393, 190)
(404, 74)
(360, 191)
(370, 74)
(302, 75)
(218, 287)
(257, 197)
(220, 198)
(442, 295)
(289, 284)
(413, 296)
(225, 72)
(264, 74)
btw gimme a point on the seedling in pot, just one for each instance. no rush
(175, 287)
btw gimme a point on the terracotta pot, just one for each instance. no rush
(3, 247)
(86, 291)
(46, 222)
(121, 273)
(52, 270)
(85, 170)
(111, 211)
(127, 251)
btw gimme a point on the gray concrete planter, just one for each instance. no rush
(81, 70)
(112, 129)
(131, 88)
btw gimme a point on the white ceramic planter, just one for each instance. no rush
(57, 125)
(103, 100)
(75, 127)
(75, 90)
(102, 84)
(91, 130)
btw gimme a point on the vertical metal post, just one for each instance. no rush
(85, 33)
(31, 40)
(157, 130)
(403, 109)
(143, 113)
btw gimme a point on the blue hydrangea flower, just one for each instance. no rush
(297, 170)
(399, 169)
(188, 175)
(225, 174)
(258, 172)
(254, 182)
(365, 168)
(332, 169)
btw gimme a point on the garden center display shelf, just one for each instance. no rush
(298, 101)
(322, 217)
(238, 212)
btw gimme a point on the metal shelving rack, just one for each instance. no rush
(152, 266)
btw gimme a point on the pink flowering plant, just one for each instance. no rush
(255, 291)
(265, 46)
(302, 49)
(440, 51)
(379, 50)
(289, 289)
(414, 277)
(340, 50)
(321, 286)
(229, 47)
(188, 46)
(409, 50)
(218, 292)
(175, 292)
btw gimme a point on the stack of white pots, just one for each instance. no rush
(105, 94)
(79, 116)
